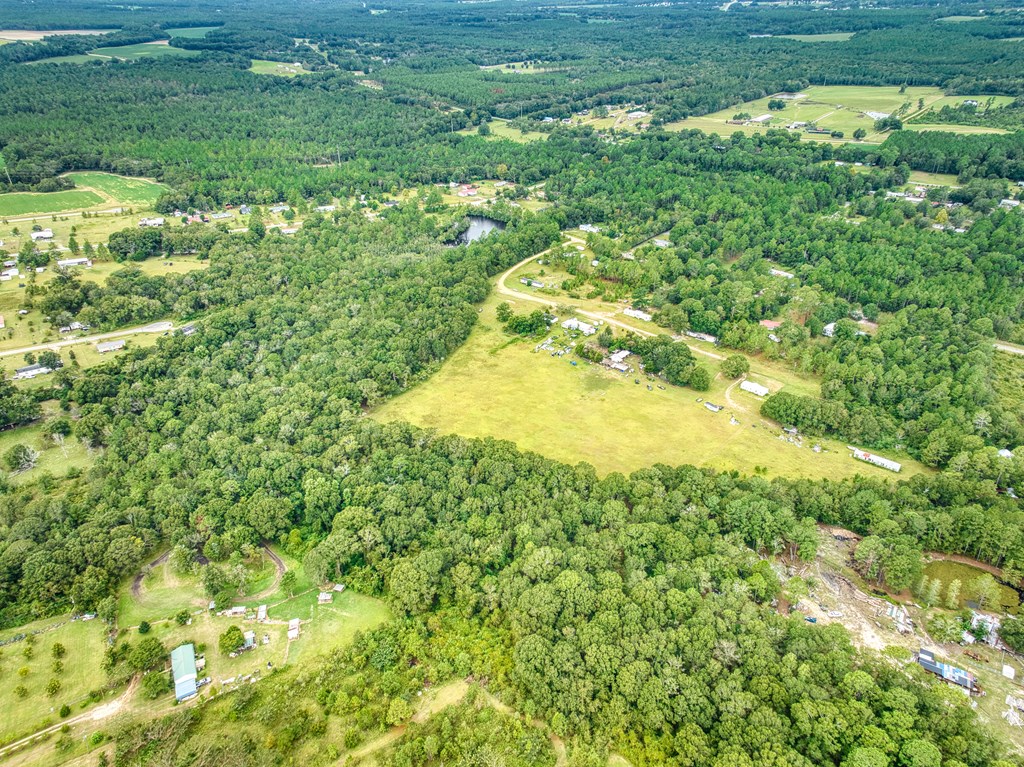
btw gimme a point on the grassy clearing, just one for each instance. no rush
(839, 108)
(24, 203)
(520, 68)
(84, 642)
(32, 35)
(947, 571)
(140, 51)
(261, 67)
(828, 37)
(960, 19)
(501, 129)
(934, 179)
(52, 459)
(494, 386)
(124, 190)
(190, 32)
(951, 128)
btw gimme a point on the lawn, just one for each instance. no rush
(932, 179)
(139, 51)
(495, 386)
(52, 458)
(84, 642)
(189, 32)
(828, 37)
(839, 107)
(261, 67)
(24, 203)
(124, 190)
(960, 19)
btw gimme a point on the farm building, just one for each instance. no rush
(877, 460)
(589, 228)
(622, 367)
(761, 119)
(183, 666)
(620, 355)
(261, 613)
(574, 324)
(637, 314)
(67, 263)
(42, 234)
(877, 115)
(279, 209)
(754, 388)
(109, 346)
(293, 629)
(157, 221)
(31, 371)
(952, 674)
(220, 216)
(187, 330)
(531, 283)
(324, 598)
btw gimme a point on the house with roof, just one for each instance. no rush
(156, 221)
(754, 388)
(110, 346)
(293, 629)
(637, 314)
(574, 324)
(31, 371)
(68, 263)
(248, 640)
(42, 234)
(324, 598)
(951, 674)
(183, 668)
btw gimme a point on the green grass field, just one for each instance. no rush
(951, 128)
(25, 203)
(936, 179)
(139, 51)
(84, 642)
(189, 32)
(960, 19)
(829, 37)
(52, 458)
(839, 107)
(280, 69)
(124, 190)
(495, 386)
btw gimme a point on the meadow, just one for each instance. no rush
(502, 129)
(140, 50)
(828, 37)
(25, 203)
(497, 386)
(278, 68)
(53, 459)
(84, 642)
(189, 32)
(123, 190)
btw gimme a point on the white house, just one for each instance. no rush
(620, 355)
(701, 336)
(877, 460)
(67, 263)
(637, 314)
(31, 371)
(574, 324)
(152, 221)
(754, 388)
(42, 234)
(293, 629)
(109, 346)
(780, 273)
(589, 228)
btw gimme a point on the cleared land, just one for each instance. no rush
(53, 459)
(31, 35)
(121, 189)
(952, 128)
(261, 67)
(24, 203)
(933, 179)
(84, 643)
(841, 108)
(828, 37)
(141, 50)
(948, 571)
(502, 129)
(497, 386)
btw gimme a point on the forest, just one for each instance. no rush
(586, 616)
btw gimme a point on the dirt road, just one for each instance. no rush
(279, 564)
(153, 327)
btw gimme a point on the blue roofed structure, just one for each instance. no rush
(183, 666)
(949, 673)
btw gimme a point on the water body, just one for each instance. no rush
(479, 226)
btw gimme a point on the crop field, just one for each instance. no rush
(124, 190)
(829, 37)
(189, 32)
(840, 107)
(497, 386)
(281, 69)
(32, 35)
(84, 643)
(140, 50)
(25, 203)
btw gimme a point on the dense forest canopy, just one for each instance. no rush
(638, 614)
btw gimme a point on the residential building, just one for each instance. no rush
(68, 263)
(158, 221)
(31, 371)
(877, 460)
(42, 234)
(110, 346)
(637, 314)
(574, 324)
(754, 388)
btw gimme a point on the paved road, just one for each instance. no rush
(153, 327)
(603, 317)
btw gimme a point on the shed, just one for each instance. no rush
(249, 640)
(324, 598)
(261, 613)
(183, 667)
(293, 629)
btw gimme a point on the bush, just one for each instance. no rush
(144, 627)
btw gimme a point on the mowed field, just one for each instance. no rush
(278, 68)
(93, 191)
(497, 386)
(124, 190)
(828, 37)
(501, 129)
(840, 108)
(25, 203)
(84, 642)
(140, 51)
(32, 35)
(190, 32)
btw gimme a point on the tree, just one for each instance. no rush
(985, 590)
(155, 684)
(735, 365)
(231, 640)
(288, 582)
(144, 627)
(700, 379)
(776, 105)
(953, 594)
(257, 229)
(859, 134)
(20, 458)
(182, 617)
(50, 359)
(58, 651)
(53, 687)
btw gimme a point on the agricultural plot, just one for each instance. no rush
(26, 203)
(952, 128)
(140, 51)
(497, 386)
(842, 108)
(32, 709)
(502, 129)
(123, 190)
(192, 33)
(280, 69)
(33, 35)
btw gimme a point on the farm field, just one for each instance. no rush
(189, 32)
(503, 129)
(123, 190)
(84, 642)
(32, 35)
(934, 179)
(838, 107)
(497, 386)
(828, 37)
(94, 191)
(25, 203)
(141, 50)
(952, 128)
(261, 67)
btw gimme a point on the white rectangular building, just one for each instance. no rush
(637, 314)
(877, 460)
(574, 324)
(754, 388)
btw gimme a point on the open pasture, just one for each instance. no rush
(952, 128)
(497, 386)
(140, 51)
(192, 33)
(26, 203)
(278, 68)
(34, 35)
(53, 459)
(828, 37)
(123, 190)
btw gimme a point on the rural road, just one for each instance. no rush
(1008, 348)
(504, 290)
(153, 327)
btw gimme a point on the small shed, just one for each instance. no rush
(324, 598)
(249, 638)
(293, 629)
(261, 613)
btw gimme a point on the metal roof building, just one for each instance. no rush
(183, 666)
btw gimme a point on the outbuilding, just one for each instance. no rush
(183, 667)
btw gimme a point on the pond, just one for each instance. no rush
(479, 227)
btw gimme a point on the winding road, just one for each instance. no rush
(153, 327)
